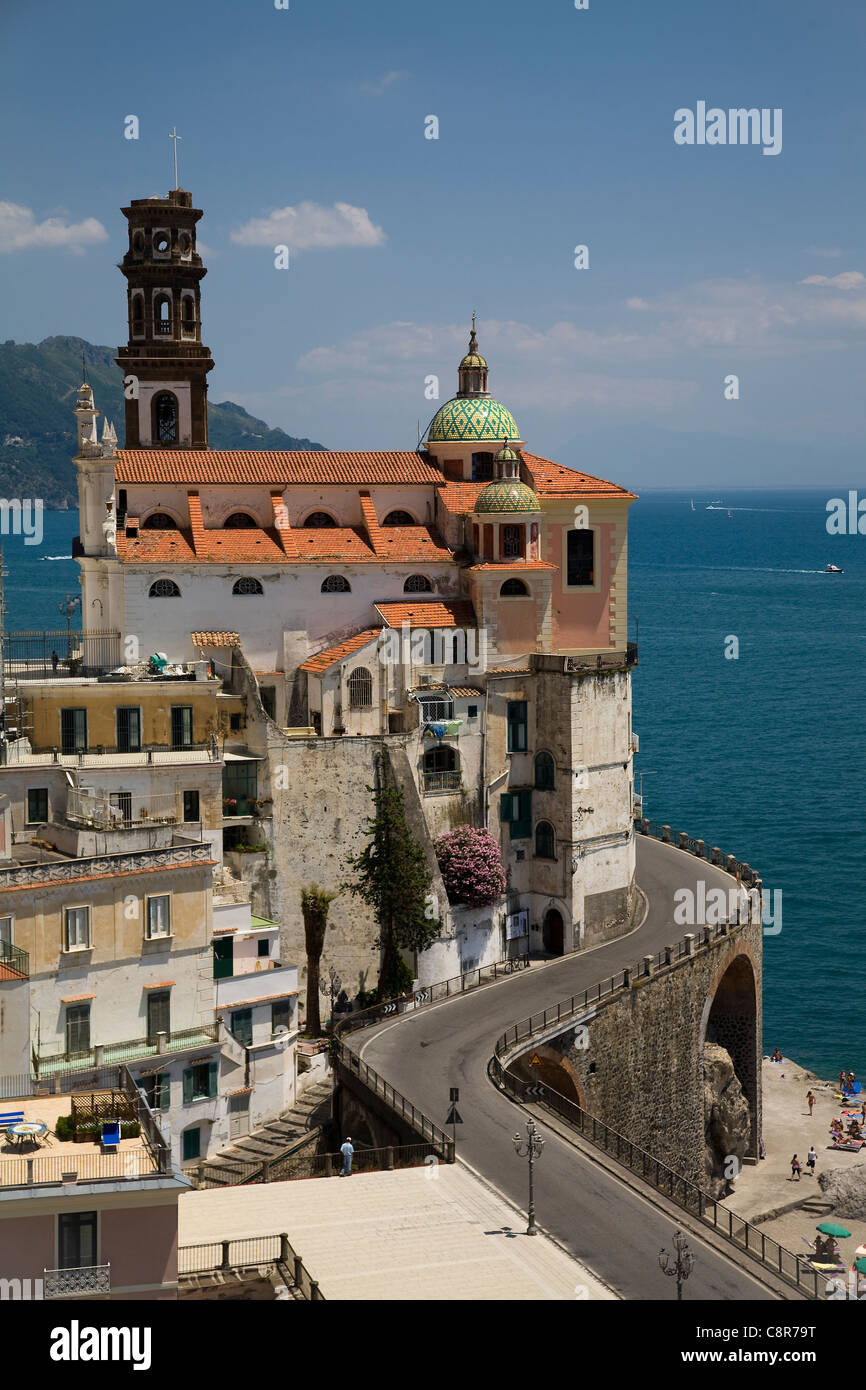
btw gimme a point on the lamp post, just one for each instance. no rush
(66, 610)
(681, 1267)
(332, 987)
(530, 1148)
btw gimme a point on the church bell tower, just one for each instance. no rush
(166, 400)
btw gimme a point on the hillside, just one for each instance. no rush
(38, 382)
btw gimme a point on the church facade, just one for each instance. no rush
(461, 606)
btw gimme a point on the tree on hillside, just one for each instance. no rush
(392, 877)
(315, 904)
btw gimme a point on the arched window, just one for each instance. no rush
(239, 521)
(417, 584)
(165, 413)
(164, 588)
(246, 585)
(512, 542)
(336, 584)
(320, 519)
(545, 840)
(360, 688)
(513, 588)
(398, 518)
(544, 771)
(441, 759)
(159, 521)
(162, 314)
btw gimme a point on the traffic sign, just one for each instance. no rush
(453, 1117)
(455, 1094)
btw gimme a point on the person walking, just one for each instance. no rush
(811, 1100)
(811, 1160)
(795, 1168)
(55, 660)
(346, 1150)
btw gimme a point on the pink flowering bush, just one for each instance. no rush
(471, 866)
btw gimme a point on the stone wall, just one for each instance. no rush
(638, 1062)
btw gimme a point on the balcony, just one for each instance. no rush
(109, 1054)
(83, 1282)
(234, 991)
(163, 328)
(14, 962)
(121, 810)
(442, 782)
(104, 755)
(57, 870)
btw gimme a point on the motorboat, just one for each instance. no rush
(833, 569)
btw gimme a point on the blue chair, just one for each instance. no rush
(110, 1134)
(11, 1117)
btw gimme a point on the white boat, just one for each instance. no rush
(833, 569)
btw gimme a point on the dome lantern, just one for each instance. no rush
(472, 372)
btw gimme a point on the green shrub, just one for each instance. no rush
(365, 998)
(63, 1128)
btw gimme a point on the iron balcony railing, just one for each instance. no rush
(58, 654)
(108, 1054)
(121, 811)
(87, 1164)
(443, 781)
(14, 961)
(249, 1253)
(81, 1282)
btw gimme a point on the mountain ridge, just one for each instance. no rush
(38, 385)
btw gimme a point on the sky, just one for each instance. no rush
(306, 126)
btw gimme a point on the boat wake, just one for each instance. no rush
(56, 557)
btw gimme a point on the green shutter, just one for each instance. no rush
(521, 826)
(187, 1085)
(163, 1093)
(212, 1075)
(505, 805)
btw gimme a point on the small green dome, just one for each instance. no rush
(507, 495)
(507, 455)
(471, 418)
(473, 359)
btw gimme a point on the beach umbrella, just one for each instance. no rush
(860, 1266)
(832, 1228)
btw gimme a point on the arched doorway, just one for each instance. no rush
(553, 932)
(731, 1021)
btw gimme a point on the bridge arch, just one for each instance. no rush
(545, 1064)
(730, 1018)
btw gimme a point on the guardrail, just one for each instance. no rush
(436, 1138)
(69, 1168)
(710, 853)
(291, 1167)
(248, 1253)
(680, 1190)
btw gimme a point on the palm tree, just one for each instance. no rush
(315, 902)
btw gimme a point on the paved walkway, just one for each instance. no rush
(417, 1233)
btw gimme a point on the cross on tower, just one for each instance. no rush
(173, 135)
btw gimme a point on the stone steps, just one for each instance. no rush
(310, 1111)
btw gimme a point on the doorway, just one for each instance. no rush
(553, 932)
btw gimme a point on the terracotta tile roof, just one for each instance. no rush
(280, 468)
(7, 973)
(406, 543)
(156, 547)
(331, 655)
(509, 671)
(460, 497)
(551, 479)
(428, 613)
(333, 543)
(76, 998)
(162, 984)
(465, 691)
(262, 999)
(215, 639)
(282, 527)
(514, 565)
(371, 521)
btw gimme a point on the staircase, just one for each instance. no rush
(291, 1131)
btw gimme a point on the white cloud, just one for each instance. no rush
(19, 231)
(378, 89)
(845, 280)
(310, 226)
(636, 304)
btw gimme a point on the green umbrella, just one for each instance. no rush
(832, 1228)
(860, 1265)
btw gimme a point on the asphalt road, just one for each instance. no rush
(610, 1228)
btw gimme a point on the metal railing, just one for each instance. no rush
(83, 1166)
(415, 1119)
(678, 1189)
(604, 661)
(112, 813)
(292, 1167)
(14, 959)
(443, 781)
(107, 1054)
(249, 1253)
(70, 1283)
(58, 654)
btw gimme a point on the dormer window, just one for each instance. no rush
(398, 518)
(320, 520)
(159, 521)
(240, 521)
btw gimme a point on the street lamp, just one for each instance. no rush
(682, 1267)
(66, 610)
(332, 987)
(530, 1148)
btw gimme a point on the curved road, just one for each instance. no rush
(612, 1229)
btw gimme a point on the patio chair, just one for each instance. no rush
(110, 1135)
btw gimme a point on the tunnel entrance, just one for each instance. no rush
(732, 1023)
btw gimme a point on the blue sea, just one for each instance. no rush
(762, 755)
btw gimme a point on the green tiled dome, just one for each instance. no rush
(477, 417)
(507, 455)
(473, 359)
(507, 495)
